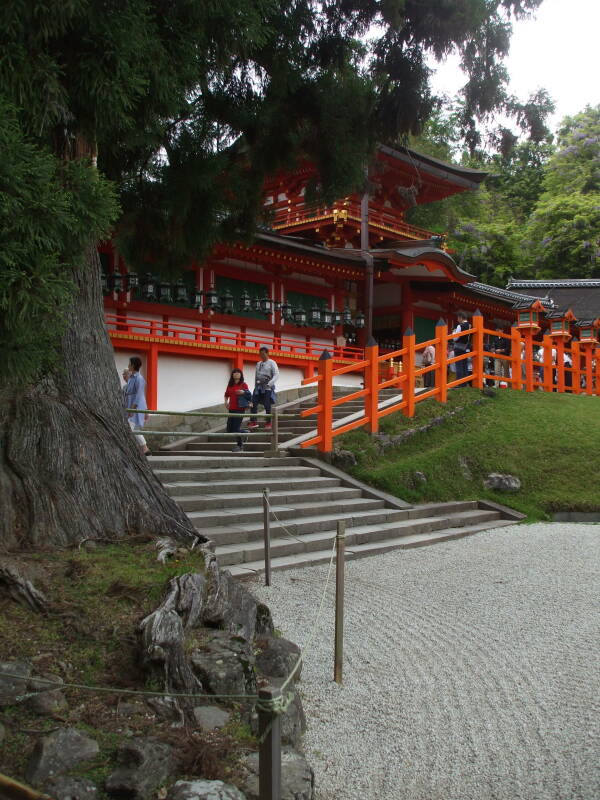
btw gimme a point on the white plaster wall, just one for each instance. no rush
(349, 379)
(188, 383)
(189, 328)
(262, 338)
(291, 337)
(289, 378)
(122, 360)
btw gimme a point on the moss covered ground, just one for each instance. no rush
(550, 441)
(97, 598)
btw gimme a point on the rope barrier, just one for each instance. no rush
(247, 413)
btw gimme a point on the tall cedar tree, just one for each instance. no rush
(186, 107)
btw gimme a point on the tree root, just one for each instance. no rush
(21, 590)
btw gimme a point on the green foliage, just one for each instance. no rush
(575, 167)
(563, 236)
(49, 210)
(524, 434)
(190, 105)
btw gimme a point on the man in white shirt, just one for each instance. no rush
(267, 373)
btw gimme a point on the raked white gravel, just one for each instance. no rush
(471, 669)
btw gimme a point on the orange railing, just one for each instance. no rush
(526, 372)
(297, 212)
(174, 332)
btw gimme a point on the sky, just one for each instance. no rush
(557, 50)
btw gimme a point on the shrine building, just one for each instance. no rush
(312, 280)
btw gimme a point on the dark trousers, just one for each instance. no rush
(261, 398)
(429, 379)
(234, 423)
(462, 369)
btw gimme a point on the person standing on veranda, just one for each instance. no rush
(263, 395)
(134, 397)
(461, 346)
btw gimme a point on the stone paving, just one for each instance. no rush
(471, 669)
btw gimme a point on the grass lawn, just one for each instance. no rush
(550, 441)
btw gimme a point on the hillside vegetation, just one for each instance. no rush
(549, 441)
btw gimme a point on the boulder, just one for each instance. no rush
(46, 701)
(228, 605)
(502, 483)
(293, 720)
(276, 657)
(57, 753)
(144, 766)
(168, 709)
(204, 790)
(13, 688)
(224, 664)
(343, 459)
(420, 477)
(297, 778)
(210, 718)
(64, 788)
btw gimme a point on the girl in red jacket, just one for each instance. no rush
(236, 401)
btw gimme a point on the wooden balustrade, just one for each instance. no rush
(550, 373)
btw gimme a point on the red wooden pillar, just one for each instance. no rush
(152, 378)
(372, 385)
(560, 364)
(589, 376)
(441, 359)
(548, 367)
(515, 357)
(325, 403)
(309, 370)
(477, 356)
(408, 362)
(575, 367)
(529, 360)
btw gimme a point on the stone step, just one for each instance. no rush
(192, 461)
(198, 502)
(312, 558)
(274, 481)
(233, 516)
(257, 476)
(249, 531)
(230, 552)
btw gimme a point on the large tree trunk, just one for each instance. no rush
(69, 467)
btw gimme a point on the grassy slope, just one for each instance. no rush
(551, 442)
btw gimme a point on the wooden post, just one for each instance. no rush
(408, 342)
(372, 385)
(597, 356)
(575, 366)
(340, 541)
(477, 350)
(548, 363)
(269, 754)
(441, 358)
(515, 357)
(267, 535)
(589, 375)
(325, 400)
(152, 377)
(529, 360)
(560, 364)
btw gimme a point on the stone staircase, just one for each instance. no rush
(221, 492)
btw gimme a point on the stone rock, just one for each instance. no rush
(293, 721)
(465, 470)
(228, 605)
(204, 790)
(502, 483)
(57, 753)
(343, 459)
(276, 657)
(167, 708)
(210, 717)
(144, 766)
(297, 777)
(420, 477)
(47, 700)
(11, 688)
(225, 664)
(64, 788)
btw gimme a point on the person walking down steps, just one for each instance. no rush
(237, 400)
(263, 395)
(134, 397)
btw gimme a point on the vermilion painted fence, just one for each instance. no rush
(175, 332)
(526, 372)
